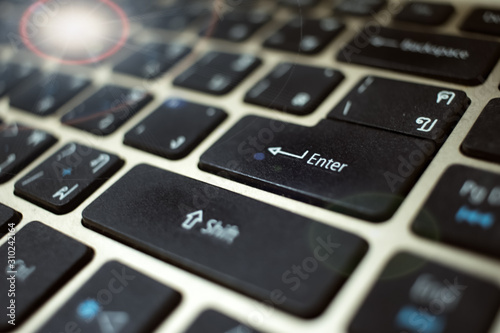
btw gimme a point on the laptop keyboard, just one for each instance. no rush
(256, 166)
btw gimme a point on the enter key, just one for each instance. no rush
(348, 168)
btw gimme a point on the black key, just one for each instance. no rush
(13, 75)
(152, 60)
(360, 7)
(107, 110)
(67, 178)
(409, 108)
(415, 295)
(215, 322)
(464, 210)
(307, 36)
(236, 26)
(483, 21)
(294, 88)
(20, 145)
(299, 4)
(218, 73)
(48, 93)
(44, 261)
(175, 128)
(344, 167)
(483, 141)
(213, 232)
(427, 13)
(8, 219)
(177, 17)
(115, 299)
(449, 58)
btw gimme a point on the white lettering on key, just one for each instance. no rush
(192, 219)
(448, 96)
(99, 162)
(330, 164)
(427, 126)
(227, 233)
(64, 192)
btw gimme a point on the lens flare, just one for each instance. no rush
(74, 33)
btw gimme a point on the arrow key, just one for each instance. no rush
(175, 128)
(117, 299)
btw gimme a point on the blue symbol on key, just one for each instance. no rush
(88, 309)
(66, 171)
(475, 217)
(413, 320)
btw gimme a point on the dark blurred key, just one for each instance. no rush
(299, 4)
(20, 145)
(116, 299)
(449, 58)
(294, 88)
(44, 261)
(409, 108)
(13, 75)
(152, 60)
(483, 141)
(306, 36)
(175, 129)
(464, 210)
(47, 93)
(218, 73)
(107, 110)
(236, 26)
(483, 21)
(8, 219)
(344, 167)
(426, 13)
(223, 236)
(67, 178)
(177, 17)
(215, 322)
(360, 7)
(415, 295)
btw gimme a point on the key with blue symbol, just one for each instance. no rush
(68, 177)
(117, 299)
(415, 295)
(464, 210)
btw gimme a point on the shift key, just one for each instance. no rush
(344, 167)
(259, 250)
(449, 58)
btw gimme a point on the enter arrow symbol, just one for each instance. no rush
(192, 219)
(278, 150)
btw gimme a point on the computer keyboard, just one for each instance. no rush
(245, 166)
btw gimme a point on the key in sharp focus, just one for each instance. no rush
(21, 145)
(449, 58)
(68, 177)
(175, 128)
(463, 210)
(223, 236)
(115, 299)
(45, 260)
(344, 167)
(409, 108)
(416, 295)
